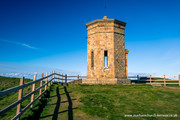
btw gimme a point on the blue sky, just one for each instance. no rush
(52, 34)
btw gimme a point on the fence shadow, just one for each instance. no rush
(58, 103)
(56, 110)
(70, 109)
(38, 108)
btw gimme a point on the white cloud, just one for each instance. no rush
(18, 43)
(26, 45)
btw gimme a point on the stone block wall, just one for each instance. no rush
(100, 38)
(106, 35)
(119, 54)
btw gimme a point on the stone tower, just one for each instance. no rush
(106, 54)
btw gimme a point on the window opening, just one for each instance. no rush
(105, 58)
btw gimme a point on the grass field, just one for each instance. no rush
(109, 102)
(9, 82)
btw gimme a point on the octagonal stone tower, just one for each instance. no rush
(106, 54)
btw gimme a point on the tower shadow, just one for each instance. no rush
(56, 110)
(70, 111)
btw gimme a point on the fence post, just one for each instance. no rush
(150, 80)
(62, 79)
(138, 78)
(20, 96)
(179, 80)
(46, 81)
(164, 80)
(66, 79)
(40, 91)
(53, 75)
(78, 77)
(49, 79)
(58, 78)
(33, 88)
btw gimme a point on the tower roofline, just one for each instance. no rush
(106, 20)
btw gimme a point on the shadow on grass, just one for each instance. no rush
(56, 95)
(70, 110)
(38, 108)
(61, 102)
(55, 116)
(56, 111)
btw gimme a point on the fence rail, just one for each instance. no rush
(49, 79)
(8, 91)
(165, 80)
(159, 80)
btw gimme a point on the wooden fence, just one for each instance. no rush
(164, 81)
(48, 79)
(159, 80)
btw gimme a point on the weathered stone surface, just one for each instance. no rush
(106, 35)
(99, 81)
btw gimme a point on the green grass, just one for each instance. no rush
(112, 102)
(9, 82)
(104, 102)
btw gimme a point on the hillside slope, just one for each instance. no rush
(99, 102)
